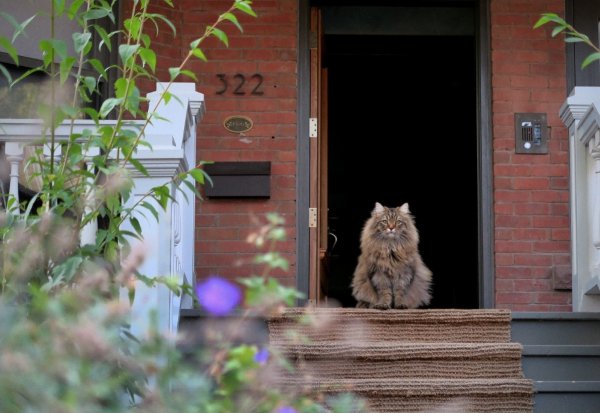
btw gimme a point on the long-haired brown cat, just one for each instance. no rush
(390, 272)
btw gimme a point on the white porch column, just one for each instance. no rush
(170, 241)
(581, 116)
(14, 156)
(89, 231)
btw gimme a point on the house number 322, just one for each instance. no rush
(240, 85)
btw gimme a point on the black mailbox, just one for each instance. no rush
(238, 180)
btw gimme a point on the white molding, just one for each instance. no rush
(578, 103)
(580, 114)
(173, 151)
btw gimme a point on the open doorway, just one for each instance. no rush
(402, 128)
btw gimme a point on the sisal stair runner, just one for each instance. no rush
(417, 361)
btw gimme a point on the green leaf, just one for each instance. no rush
(150, 208)
(97, 64)
(19, 28)
(26, 74)
(22, 27)
(573, 40)
(126, 51)
(162, 194)
(59, 7)
(195, 43)
(189, 74)
(113, 203)
(68, 268)
(10, 49)
(74, 8)
(9, 18)
(557, 30)
(192, 188)
(199, 54)
(46, 48)
(104, 36)
(167, 96)
(60, 48)
(174, 72)
(136, 225)
(231, 17)
(549, 17)
(145, 39)
(121, 87)
(272, 260)
(245, 7)
(65, 68)
(198, 175)
(133, 26)
(108, 105)
(69, 111)
(90, 83)
(80, 40)
(220, 34)
(132, 102)
(6, 73)
(149, 57)
(590, 59)
(95, 14)
(165, 20)
(138, 165)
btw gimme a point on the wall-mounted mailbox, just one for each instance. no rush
(238, 180)
(531, 133)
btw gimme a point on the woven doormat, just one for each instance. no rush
(365, 325)
(406, 360)
(428, 396)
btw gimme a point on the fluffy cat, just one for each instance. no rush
(390, 272)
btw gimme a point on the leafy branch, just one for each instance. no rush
(571, 34)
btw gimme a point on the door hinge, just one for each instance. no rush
(312, 128)
(312, 217)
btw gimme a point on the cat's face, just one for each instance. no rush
(392, 223)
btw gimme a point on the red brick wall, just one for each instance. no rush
(268, 47)
(531, 192)
(168, 46)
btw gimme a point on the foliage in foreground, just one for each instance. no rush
(66, 344)
(571, 35)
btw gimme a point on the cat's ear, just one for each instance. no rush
(378, 208)
(404, 208)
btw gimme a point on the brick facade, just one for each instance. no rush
(531, 192)
(266, 47)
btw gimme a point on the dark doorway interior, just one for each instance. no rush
(402, 128)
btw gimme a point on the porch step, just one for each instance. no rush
(430, 395)
(561, 354)
(416, 326)
(396, 360)
(405, 360)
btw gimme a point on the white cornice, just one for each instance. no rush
(578, 103)
(589, 124)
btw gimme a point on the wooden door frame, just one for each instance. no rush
(485, 161)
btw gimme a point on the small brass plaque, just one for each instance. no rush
(238, 124)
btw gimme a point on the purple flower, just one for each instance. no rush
(218, 296)
(262, 356)
(286, 409)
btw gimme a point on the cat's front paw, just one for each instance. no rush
(381, 306)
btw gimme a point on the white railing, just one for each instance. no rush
(580, 114)
(169, 241)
